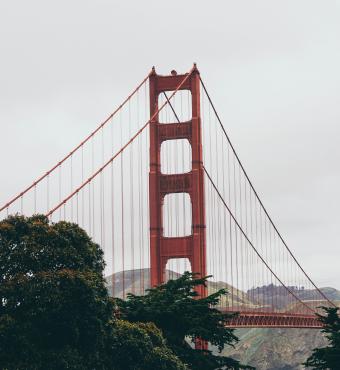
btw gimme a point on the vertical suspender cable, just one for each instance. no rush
(122, 205)
(35, 199)
(132, 211)
(82, 190)
(71, 185)
(112, 220)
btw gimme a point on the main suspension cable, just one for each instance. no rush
(36, 182)
(258, 198)
(122, 148)
(250, 243)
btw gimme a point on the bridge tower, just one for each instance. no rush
(193, 246)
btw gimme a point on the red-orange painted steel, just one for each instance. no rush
(274, 320)
(192, 247)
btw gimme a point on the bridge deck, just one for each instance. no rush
(274, 320)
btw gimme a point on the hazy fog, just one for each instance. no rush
(272, 68)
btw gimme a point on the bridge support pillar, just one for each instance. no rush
(193, 246)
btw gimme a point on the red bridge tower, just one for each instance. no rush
(193, 246)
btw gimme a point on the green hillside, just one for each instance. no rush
(266, 349)
(275, 349)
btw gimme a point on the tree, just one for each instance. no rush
(54, 304)
(327, 357)
(55, 312)
(143, 348)
(175, 308)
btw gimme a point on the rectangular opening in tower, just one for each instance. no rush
(177, 215)
(175, 267)
(175, 156)
(179, 107)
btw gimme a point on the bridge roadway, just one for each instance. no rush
(255, 319)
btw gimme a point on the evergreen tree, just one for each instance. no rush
(177, 310)
(139, 346)
(327, 357)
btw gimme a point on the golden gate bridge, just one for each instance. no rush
(160, 187)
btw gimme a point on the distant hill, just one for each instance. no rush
(278, 296)
(280, 349)
(137, 281)
(275, 349)
(266, 349)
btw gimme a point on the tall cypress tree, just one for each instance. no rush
(176, 309)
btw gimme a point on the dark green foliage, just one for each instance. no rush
(327, 357)
(176, 310)
(144, 348)
(55, 312)
(30, 245)
(54, 305)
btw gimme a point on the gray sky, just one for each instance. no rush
(272, 68)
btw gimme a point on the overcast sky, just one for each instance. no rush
(272, 68)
